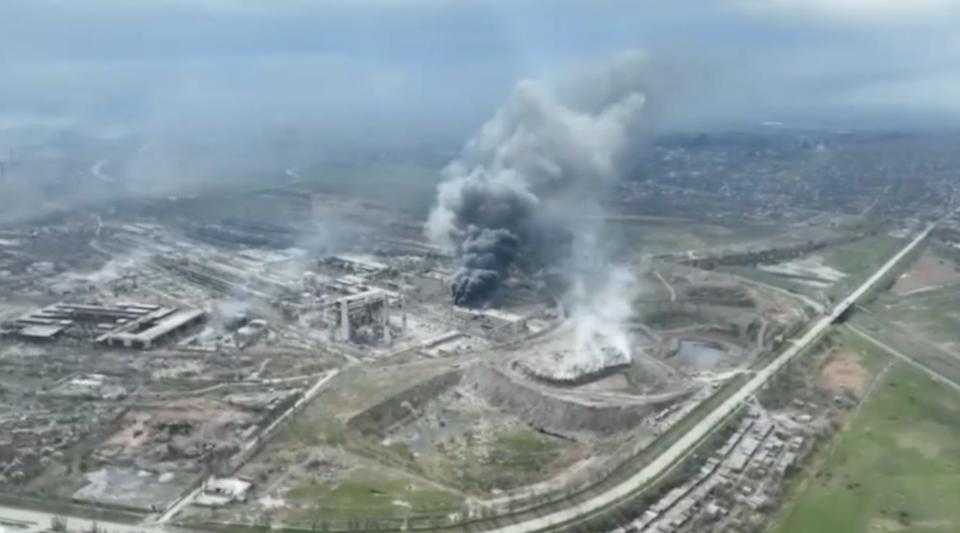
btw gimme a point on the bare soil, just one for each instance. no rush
(843, 372)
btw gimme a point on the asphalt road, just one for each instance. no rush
(689, 440)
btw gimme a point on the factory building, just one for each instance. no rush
(147, 332)
(129, 325)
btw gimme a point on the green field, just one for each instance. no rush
(912, 340)
(769, 278)
(523, 451)
(871, 357)
(935, 315)
(502, 459)
(365, 494)
(897, 467)
(858, 259)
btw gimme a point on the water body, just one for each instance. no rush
(700, 354)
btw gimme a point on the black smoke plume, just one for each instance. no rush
(485, 255)
(516, 188)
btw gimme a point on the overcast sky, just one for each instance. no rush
(434, 69)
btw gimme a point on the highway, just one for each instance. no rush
(688, 441)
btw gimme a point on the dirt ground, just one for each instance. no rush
(141, 427)
(843, 372)
(930, 270)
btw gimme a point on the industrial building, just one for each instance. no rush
(129, 325)
(146, 332)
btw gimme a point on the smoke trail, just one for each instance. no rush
(509, 194)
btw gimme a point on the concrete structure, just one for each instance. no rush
(220, 491)
(55, 319)
(370, 309)
(494, 321)
(358, 265)
(250, 333)
(131, 325)
(144, 333)
(41, 332)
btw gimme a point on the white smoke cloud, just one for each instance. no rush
(523, 184)
(601, 309)
(112, 270)
(509, 192)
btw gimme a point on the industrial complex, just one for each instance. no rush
(294, 358)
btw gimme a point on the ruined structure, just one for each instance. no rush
(130, 325)
(362, 317)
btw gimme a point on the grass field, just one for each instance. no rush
(859, 258)
(856, 259)
(933, 314)
(913, 340)
(502, 459)
(897, 467)
(769, 278)
(367, 494)
(936, 316)
(523, 452)
(871, 357)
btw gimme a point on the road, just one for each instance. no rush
(688, 441)
(673, 293)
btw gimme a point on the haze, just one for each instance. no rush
(376, 71)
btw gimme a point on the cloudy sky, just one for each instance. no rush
(434, 69)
